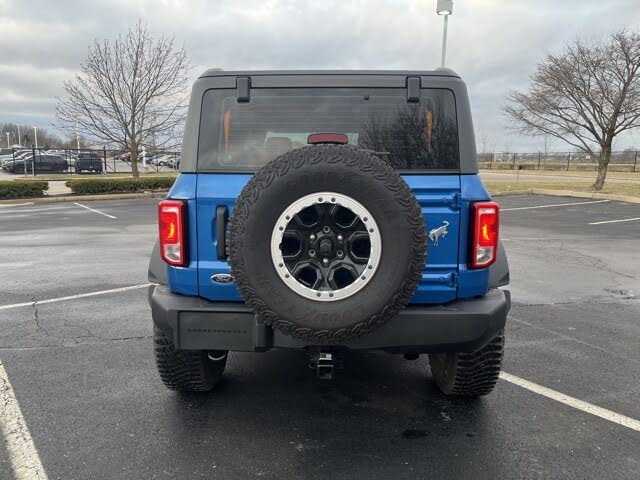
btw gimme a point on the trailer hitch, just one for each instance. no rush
(323, 364)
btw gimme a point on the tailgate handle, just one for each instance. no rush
(222, 216)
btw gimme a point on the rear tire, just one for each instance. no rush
(187, 370)
(468, 374)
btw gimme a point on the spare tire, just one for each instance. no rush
(326, 243)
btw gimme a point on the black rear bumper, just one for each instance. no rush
(461, 326)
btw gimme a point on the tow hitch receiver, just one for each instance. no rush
(322, 362)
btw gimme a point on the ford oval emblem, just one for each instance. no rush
(222, 278)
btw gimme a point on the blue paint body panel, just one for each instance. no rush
(443, 198)
(438, 196)
(215, 191)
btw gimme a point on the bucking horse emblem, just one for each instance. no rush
(437, 233)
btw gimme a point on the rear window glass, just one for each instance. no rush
(410, 136)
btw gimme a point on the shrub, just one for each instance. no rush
(22, 189)
(119, 185)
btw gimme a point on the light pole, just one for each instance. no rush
(144, 160)
(8, 141)
(19, 138)
(35, 135)
(444, 8)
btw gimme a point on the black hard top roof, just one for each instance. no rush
(440, 72)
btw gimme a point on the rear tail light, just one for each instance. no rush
(486, 222)
(172, 225)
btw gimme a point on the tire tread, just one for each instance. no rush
(474, 374)
(185, 370)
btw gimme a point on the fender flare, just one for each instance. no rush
(157, 268)
(499, 271)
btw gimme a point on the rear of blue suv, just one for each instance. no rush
(329, 210)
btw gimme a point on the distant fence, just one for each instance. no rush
(625, 161)
(34, 161)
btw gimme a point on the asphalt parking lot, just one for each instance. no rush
(83, 374)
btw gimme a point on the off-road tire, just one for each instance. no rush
(468, 374)
(344, 170)
(186, 370)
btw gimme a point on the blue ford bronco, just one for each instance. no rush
(329, 210)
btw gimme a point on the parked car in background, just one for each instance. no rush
(21, 155)
(172, 162)
(160, 160)
(42, 163)
(15, 154)
(155, 160)
(124, 157)
(89, 162)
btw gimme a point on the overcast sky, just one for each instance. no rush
(493, 44)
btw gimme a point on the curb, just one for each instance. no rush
(569, 193)
(85, 198)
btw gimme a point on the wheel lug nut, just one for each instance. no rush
(312, 237)
(340, 238)
(340, 253)
(326, 229)
(312, 253)
(325, 261)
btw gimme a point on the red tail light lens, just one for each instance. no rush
(486, 223)
(172, 225)
(335, 138)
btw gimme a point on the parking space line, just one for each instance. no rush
(7, 205)
(93, 210)
(73, 297)
(554, 205)
(572, 402)
(36, 209)
(616, 221)
(23, 454)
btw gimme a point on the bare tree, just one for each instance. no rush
(585, 95)
(483, 140)
(408, 141)
(131, 93)
(485, 150)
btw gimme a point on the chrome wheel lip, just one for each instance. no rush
(357, 208)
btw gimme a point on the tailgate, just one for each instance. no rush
(438, 195)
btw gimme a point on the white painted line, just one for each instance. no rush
(572, 402)
(616, 221)
(15, 204)
(93, 210)
(23, 455)
(554, 205)
(36, 209)
(73, 297)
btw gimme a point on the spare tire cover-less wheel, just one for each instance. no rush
(326, 243)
